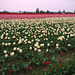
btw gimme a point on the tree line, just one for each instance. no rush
(37, 11)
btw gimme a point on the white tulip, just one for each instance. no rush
(14, 37)
(41, 45)
(5, 37)
(3, 43)
(48, 44)
(2, 37)
(14, 43)
(6, 34)
(20, 50)
(39, 50)
(12, 53)
(5, 51)
(6, 55)
(9, 44)
(8, 37)
(69, 44)
(35, 49)
(46, 50)
(6, 44)
(30, 48)
(14, 48)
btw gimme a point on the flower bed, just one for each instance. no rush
(32, 15)
(29, 43)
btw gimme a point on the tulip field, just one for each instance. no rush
(32, 15)
(37, 46)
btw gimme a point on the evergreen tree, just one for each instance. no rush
(42, 11)
(37, 10)
(47, 11)
(63, 11)
(74, 11)
(59, 11)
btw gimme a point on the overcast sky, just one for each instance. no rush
(31, 5)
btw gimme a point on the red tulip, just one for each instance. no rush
(62, 53)
(11, 71)
(60, 66)
(30, 67)
(42, 62)
(47, 63)
(45, 69)
(24, 66)
(59, 61)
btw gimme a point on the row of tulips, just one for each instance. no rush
(61, 68)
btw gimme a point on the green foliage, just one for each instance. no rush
(66, 69)
(25, 44)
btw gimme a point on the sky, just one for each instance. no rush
(31, 5)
